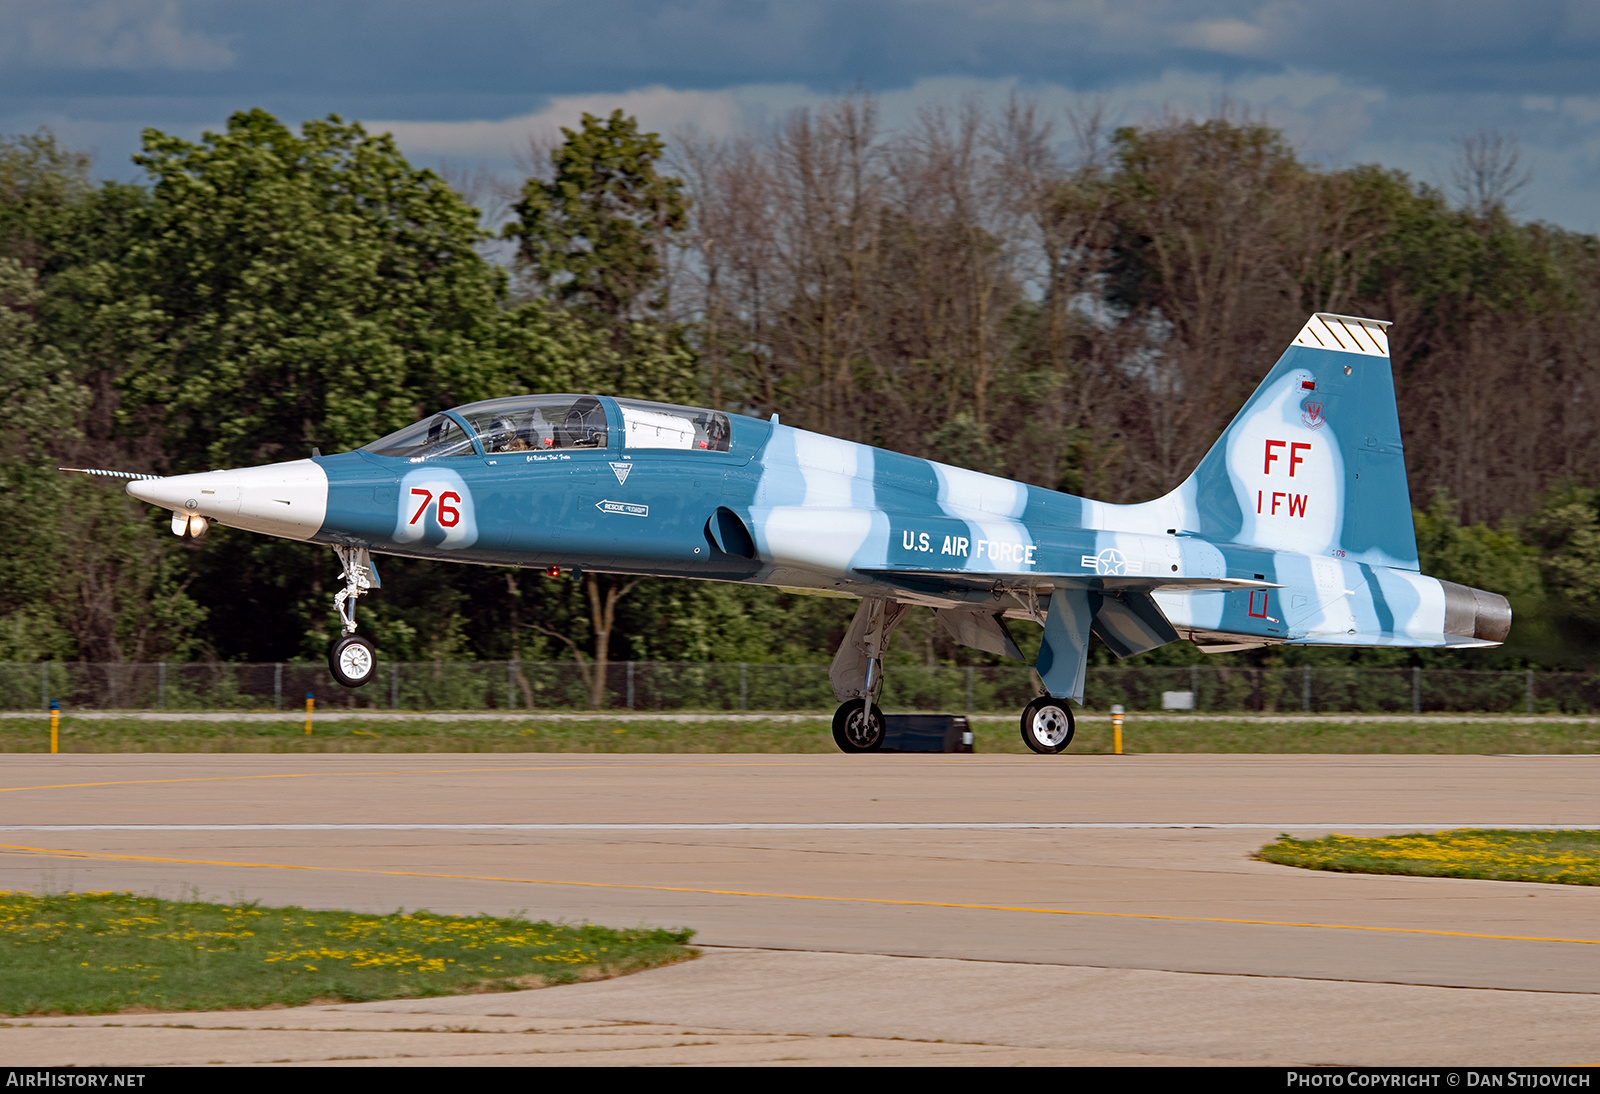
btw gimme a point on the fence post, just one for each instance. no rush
(1194, 684)
(161, 685)
(630, 685)
(44, 685)
(969, 689)
(1416, 689)
(277, 685)
(1530, 691)
(511, 684)
(744, 691)
(394, 685)
(1306, 698)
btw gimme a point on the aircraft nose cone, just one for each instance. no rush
(281, 499)
(208, 493)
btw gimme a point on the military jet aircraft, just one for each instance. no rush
(1295, 528)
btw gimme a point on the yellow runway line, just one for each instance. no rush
(13, 849)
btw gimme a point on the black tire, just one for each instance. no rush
(858, 726)
(1047, 725)
(353, 661)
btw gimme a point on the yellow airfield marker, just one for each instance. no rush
(311, 701)
(1116, 730)
(55, 726)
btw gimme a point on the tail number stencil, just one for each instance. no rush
(448, 515)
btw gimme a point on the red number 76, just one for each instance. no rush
(448, 515)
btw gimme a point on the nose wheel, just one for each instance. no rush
(352, 660)
(1047, 725)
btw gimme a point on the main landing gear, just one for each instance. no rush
(1047, 725)
(857, 677)
(353, 660)
(858, 726)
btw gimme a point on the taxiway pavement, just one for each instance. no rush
(1132, 923)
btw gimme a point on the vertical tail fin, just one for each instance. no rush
(1313, 461)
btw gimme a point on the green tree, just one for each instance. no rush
(1500, 561)
(37, 396)
(595, 234)
(269, 292)
(295, 290)
(41, 183)
(1566, 531)
(592, 241)
(82, 573)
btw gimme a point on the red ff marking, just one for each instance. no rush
(1295, 459)
(427, 496)
(448, 516)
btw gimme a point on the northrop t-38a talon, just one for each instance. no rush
(1296, 527)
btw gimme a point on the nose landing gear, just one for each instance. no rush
(353, 660)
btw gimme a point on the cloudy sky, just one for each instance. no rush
(1398, 82)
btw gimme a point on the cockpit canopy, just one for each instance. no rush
(532, 423)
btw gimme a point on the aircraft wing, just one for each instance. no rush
(927, 580)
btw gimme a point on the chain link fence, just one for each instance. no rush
(733, 686)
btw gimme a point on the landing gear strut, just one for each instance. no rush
(353, 660)
(857, 675)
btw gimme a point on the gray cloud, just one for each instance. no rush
(108, 35)
(544, 47)
(1357, 80)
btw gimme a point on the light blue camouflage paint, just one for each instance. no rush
(1295, 527)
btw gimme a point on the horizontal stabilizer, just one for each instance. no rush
(1130, 623)
(981, 630)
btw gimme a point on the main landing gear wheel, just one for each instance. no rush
(352, 660)
(858, 727)
(1047, 725)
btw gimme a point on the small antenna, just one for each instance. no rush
(109, 474)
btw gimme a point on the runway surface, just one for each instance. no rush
(1109, 906)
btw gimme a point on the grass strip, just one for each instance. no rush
(1141, 733)
(100, 953)
(1561, 856)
